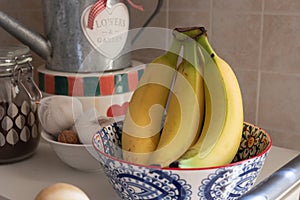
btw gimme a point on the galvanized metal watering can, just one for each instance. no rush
(81, 31)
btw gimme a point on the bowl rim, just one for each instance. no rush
(46, 136)
(194, 168)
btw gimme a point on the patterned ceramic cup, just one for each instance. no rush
(132, 181)
(108, 92)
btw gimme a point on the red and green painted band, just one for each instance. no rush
(78, 85)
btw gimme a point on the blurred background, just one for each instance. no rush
(259, 38)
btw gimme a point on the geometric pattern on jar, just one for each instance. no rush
(33, 107)
(25, 108)
(2, 112)
(7, 123)
(34, 131)
(20, 121)
(25, 134)
(12, 110)
(12, 137)
(2, 140)
(30, 119)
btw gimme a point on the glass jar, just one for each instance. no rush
(19, 135)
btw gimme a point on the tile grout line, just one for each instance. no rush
(259, 63)
(276, 13)
(211, 18)
(167, 20)
(283, 13)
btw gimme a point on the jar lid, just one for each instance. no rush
(12, 56)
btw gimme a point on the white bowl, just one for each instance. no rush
(78, 156)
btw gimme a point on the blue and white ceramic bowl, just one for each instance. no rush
(132, 181)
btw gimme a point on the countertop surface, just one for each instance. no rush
(24, 179)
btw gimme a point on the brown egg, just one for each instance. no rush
(61, 191)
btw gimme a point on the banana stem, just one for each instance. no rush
(203, 41)
(182, 34)
(197, 33)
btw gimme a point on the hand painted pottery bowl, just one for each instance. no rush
(108, 92)
(132, 181)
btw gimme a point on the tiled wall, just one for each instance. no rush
(259, 38)
(28, 13)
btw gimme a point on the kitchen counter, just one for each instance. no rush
(23, 180)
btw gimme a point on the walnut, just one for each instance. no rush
(68, 136)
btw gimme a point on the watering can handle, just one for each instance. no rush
(156, 10)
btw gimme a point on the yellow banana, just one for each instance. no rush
(185, 110)
(223, 124)
(144, 116)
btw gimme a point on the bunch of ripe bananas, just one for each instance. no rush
(185, 115)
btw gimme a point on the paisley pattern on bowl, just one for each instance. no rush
(237, 180)
(132, 181)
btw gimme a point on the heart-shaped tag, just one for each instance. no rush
(110, 30)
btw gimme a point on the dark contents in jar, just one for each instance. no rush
(19, 135)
